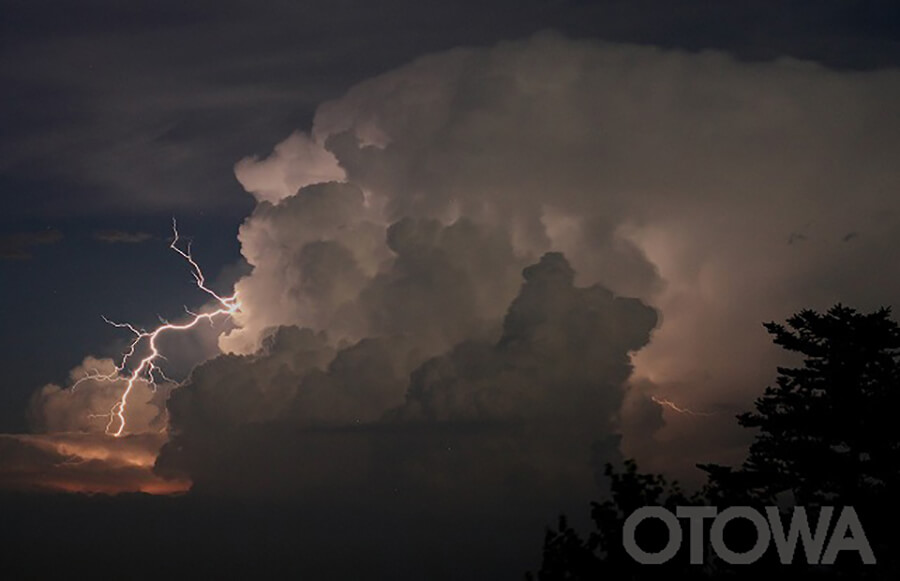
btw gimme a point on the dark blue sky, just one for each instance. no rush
(120, 116)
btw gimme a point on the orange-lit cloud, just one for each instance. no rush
(83, 462)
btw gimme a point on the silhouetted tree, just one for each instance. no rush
(828, 434)
(568, 557)
(828, 429)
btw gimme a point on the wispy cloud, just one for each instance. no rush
(18, 246)
(121, 236)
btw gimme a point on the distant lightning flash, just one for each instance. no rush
(147, 370)
(673, 406)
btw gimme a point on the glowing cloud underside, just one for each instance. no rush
(147, 369)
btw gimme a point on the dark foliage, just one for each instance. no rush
(827, 435)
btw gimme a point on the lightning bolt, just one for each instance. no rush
(147, 369)
(673, 406)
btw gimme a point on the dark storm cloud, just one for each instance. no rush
(120, 236)
(20, 246)
(559, 365)
(474, 447)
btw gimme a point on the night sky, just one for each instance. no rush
(530, 237)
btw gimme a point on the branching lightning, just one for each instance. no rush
(147, 369)
(675, 407)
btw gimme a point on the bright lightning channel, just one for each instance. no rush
(675, 407)
(147, 370)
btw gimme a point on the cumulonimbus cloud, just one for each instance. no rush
(678, 178)
(521, 414)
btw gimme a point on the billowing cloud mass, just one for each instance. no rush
(396, 452)
(85, 406)
(296, 162)
(539, 395)
(722, 193)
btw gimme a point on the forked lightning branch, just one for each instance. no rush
(147, 369)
